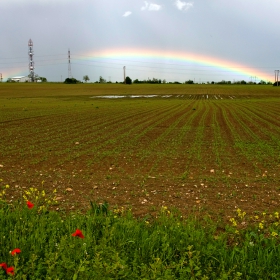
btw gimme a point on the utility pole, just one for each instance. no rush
(1, 77)
(276, 76)
(69, 65)
(124, 75)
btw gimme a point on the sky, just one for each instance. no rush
(175, 40)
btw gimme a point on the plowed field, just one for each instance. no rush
(202, 148)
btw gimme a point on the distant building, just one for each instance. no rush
(20, 79)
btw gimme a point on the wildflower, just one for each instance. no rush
(43, 193)
(234, 223)
(276, 215)
(260, 225)
(54, 191)
(4, 266)
(10, 270)
(29, 204)
(15, 251)
(274, 234)
(7, 186)
(78, 233)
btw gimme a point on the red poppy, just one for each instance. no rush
(29, 204)
(10, 270)
(3, 265)
(16, 251)
(78, 233)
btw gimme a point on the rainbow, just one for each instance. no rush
(189, 59)
(13, 72)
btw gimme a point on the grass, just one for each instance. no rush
(118, 246)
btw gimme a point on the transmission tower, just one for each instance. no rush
(69, 65)
(124, 75)
(31, 62)
(276, 76)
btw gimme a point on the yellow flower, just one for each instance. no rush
(256, 217)
(274, 234)
(43, 193)
(7, 186)
(54, 191)
(234, 223)
(237, 232)
(276, 214)
(260, 225)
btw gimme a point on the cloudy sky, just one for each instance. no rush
(176, 40)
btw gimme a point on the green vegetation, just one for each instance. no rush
(71, 81)
(104, 244)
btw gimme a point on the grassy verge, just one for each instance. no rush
(112, 244)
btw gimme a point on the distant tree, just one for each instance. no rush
(86, 78)
(189, 82)
(128, 81)
(262, 82)
(71, 81)
(243, 82)
(43, 79)
(102, 80)
(164, 81)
